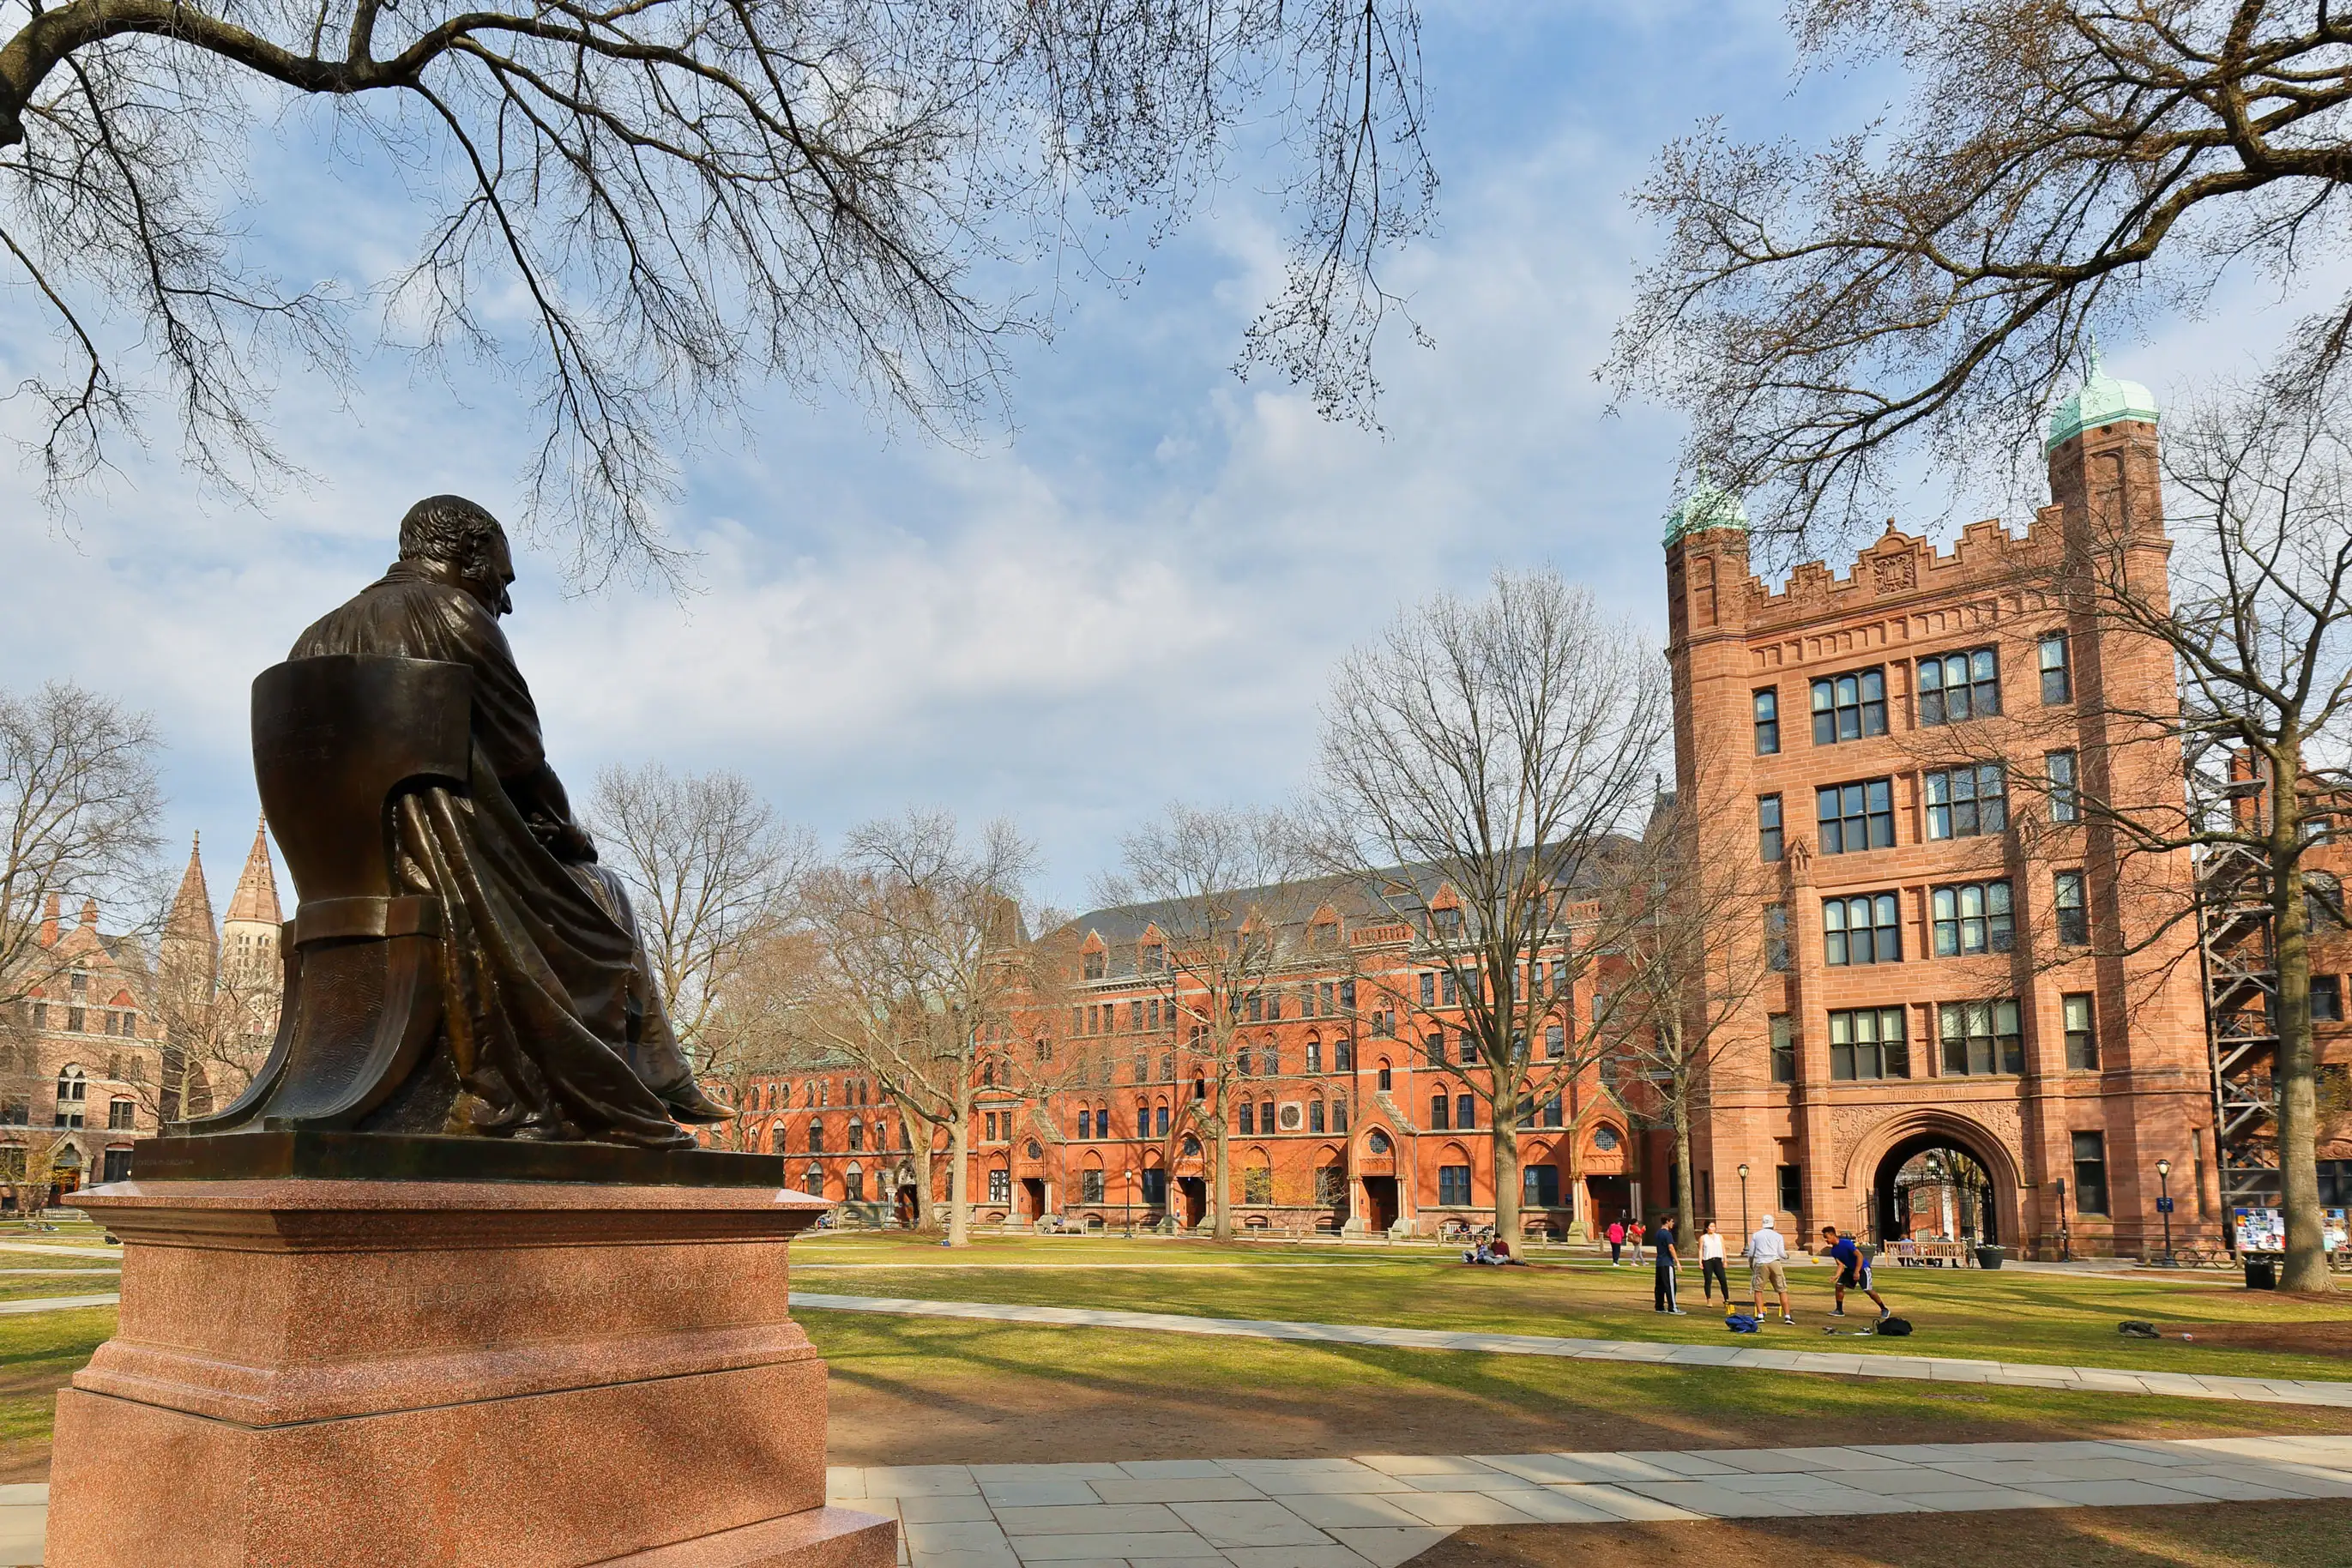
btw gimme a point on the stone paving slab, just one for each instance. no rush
(1845, 1363)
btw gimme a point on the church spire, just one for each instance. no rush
(256, 899)
(191, 918)
(190, 947)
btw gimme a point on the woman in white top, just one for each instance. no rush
(1710, 1263)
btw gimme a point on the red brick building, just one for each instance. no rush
(1905, 741)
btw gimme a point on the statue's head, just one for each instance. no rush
(465, 538)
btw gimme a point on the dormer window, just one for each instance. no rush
(1446, 922)
(1324, 935)
(1152, 958)
(1092, 966)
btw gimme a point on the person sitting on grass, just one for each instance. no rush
(1766, 1266)
(1854, 1272)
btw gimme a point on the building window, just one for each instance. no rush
(2073, 916)
(119, 1113)
(853, 1186)
(1964, 803)
(1784, 1048)
(2057, 683)
(1767, 721)
(117, 1166)
(1981, 1038)
(1454, 1186)
(1465, 1111)
(1315, 1116)
(1159, 1122)
(1551, 1112)
(1855, 817)
(1343, 1055)
(1428, 989)
(41, 1014)
(2323, 900)
(1314, 1055)
(2058, 768)
(1792, 1183)
(1959, 686)
(1245, 1119)
(2334, 1184)
(1093, 965)
(1848, 707)
(999, 1186)
(856, 1136)
(1767, 827)
(1972, 918)
(2326, 999)
(1433, 1045)
(1441, 1112)
(2091, 1173)
(1257, 1185)
(75, 1019)
(1869, 1043)
(1861, 930)
(2082, 1040)
(1540, 1186)
(1383, 1080)
(1776, 944)
(1155, 1189)
(1090, 1186)
(1555, 1043)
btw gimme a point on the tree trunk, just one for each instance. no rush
(923, 1202)
(1684, 1210)
(1221, 1194)
(2296, 1073)
(960, 1167)
(1506, 1171)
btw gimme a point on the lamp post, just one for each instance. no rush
(1743, 1202)
(2164, 1205)
(1127, 1212)
(2065, 1243)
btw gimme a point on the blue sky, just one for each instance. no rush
(1134, 594)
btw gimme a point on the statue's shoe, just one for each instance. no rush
(686, 1102)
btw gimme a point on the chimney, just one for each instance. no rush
(89, 915)
(49, 921)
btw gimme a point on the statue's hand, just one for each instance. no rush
(567, 841)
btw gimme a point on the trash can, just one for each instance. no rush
(1988, 1257)
(2261, 1273)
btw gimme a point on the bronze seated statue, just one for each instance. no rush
(457, 963)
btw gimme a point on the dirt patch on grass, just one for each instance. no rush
(2327, 1339)
(1011, 1419)
(2223, 1535)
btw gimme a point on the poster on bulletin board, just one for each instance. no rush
(2260, 1230)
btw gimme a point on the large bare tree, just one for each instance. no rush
(80, 805)
(1482, 763)
(1230, 894)
(641, 206)
(1825, 315)
(922, 970)
(712, 873)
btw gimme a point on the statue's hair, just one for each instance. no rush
(447, 528)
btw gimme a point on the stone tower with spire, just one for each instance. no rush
(188, 953)
(248, 934)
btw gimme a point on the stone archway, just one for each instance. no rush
(1967, 1167)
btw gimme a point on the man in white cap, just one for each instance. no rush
(1766, 1266)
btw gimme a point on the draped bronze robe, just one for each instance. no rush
(536, 974)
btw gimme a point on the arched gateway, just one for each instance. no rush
(1937, 1175)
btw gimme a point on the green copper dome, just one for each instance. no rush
(1707, 506)
(2101, 400)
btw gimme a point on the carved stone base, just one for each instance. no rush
(519, 1374)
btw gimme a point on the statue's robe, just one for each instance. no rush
(537, 974)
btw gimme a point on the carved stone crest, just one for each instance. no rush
(1895, 574)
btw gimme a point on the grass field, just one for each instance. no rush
(2010, 1314)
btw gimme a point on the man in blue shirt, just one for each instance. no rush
(1853, 1271)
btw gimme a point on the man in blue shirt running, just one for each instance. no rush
(1854, 1272)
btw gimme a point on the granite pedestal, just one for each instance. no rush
(327, 1371)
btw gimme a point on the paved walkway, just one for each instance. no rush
(58, 1303)
(1740, 1351)
(1382, 1509)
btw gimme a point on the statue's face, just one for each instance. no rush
(490, 575)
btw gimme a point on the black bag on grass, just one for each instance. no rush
(1898, 1327)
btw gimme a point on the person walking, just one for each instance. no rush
(1710, 1263)
(1669, 1262)
(1634, 1234)
(1768, 1266)
(1853, 1271)
(1616, 1243)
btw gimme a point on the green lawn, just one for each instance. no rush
(2010, 1314)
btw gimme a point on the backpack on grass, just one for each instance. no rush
(1742, 1323)
(1898, 1327)
(2137, 1329)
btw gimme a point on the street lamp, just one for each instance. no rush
(2164, 1205)
(1128, 1209)
(1743, 1199)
